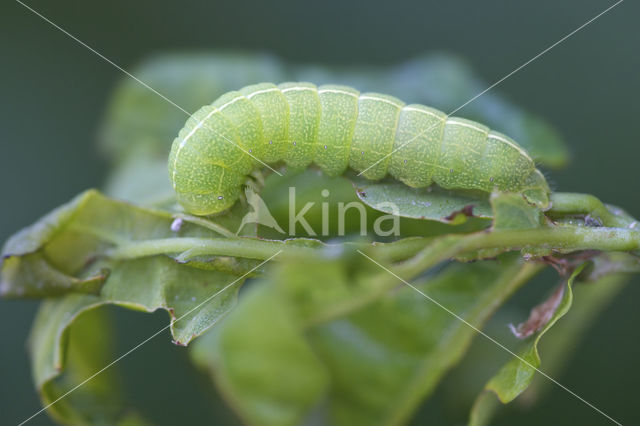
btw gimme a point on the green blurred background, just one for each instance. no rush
(54, 92)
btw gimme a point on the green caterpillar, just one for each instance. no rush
(336, 127)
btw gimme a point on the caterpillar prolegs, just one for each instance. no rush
(336, 127)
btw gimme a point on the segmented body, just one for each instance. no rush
(337, 128)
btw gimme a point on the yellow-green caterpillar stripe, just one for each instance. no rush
(336, 127)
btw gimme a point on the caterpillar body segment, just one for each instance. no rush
(337, 127)
(417, 146)
(273, 109)
(339, 109)
(374, 134)
(304, 118)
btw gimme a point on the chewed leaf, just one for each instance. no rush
(31, 275)
(195, 298)
(557, 346)
(540, 315)
(67, 254)
(517, 374)
(432, 203)
(68, 249)
(32, 238)
(69, 342)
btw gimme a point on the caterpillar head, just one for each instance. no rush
(536, 190)
(210, 203)
(202, 187)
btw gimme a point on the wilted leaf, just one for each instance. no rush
(539, 315)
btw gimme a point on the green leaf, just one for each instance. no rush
(297, 294)
(511, 211)
(69, 251)
(186, 293)
(432, 203)
(558, 346)
(309, 186)
(517, 374)
(26, 271)
(385, 359)
(320, 193)
(31, 275)
(69, 342)
(260, 361)
(142, 180)
(591, 298)
(195, 299)
(587, 210)
(65, 250)
(337, 281)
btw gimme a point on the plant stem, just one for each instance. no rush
(557, 238)
(567, 203)
(250, 248)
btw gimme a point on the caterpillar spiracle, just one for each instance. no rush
(336, 127)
